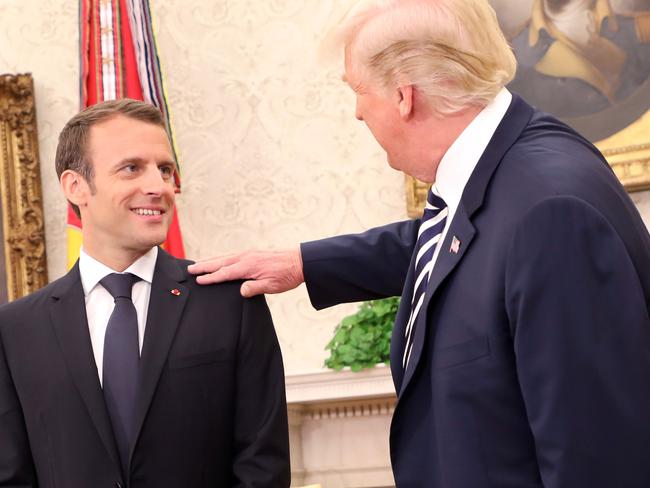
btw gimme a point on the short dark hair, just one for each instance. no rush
(73, 139)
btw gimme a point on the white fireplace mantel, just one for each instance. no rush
(339, 423)
(329, 385)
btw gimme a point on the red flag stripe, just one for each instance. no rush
(109, 69)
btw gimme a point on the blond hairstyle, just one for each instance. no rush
(71, 152)
(452, 51)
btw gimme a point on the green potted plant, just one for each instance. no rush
(362, 340)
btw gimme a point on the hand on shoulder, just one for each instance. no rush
(265, 271)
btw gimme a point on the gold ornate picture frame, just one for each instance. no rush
(22, 249)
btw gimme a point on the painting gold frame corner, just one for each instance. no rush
(21, 197)
(628, 153)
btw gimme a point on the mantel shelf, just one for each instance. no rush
(329, 385)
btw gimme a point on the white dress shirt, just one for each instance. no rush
(100, 303)
(458, 163)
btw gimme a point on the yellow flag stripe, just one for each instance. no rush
(74, 244)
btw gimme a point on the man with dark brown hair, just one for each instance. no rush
(124, 372)
(72, 150)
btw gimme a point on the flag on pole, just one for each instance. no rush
(119, 59)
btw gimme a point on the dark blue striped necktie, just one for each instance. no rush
(121, 360)
(429, 234)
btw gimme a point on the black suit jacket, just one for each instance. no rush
(531, 359)
(211, 410)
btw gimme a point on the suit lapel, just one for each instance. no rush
(68, 316)
(398, 339)
(166, 304)
(463, 231)
(514, 122)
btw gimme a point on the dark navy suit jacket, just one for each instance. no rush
(211, 408)
(531, 362)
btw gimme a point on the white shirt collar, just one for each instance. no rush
(92, 271)
(458, 163)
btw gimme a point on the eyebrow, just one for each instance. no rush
(140, 160)
(129, 160)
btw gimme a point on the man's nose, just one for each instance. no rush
(357, 112)
(154, 182)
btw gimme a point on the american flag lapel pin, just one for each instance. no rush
(455, 245)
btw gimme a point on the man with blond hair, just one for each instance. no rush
(124, 372)
(521, 348)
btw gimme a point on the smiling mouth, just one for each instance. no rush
(147, 211)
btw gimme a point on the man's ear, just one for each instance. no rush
(75, 187)
(405, 101)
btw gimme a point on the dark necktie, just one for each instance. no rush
(429, 234)
(121, 358)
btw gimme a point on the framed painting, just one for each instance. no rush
(587, 62)
(23, 267)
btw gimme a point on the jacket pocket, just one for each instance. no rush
(461, 353)
(199, 359)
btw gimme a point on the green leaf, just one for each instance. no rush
(362, 340)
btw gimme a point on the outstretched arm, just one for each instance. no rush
(339, 269)
(357, 267)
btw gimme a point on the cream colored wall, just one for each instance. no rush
(270, 151)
